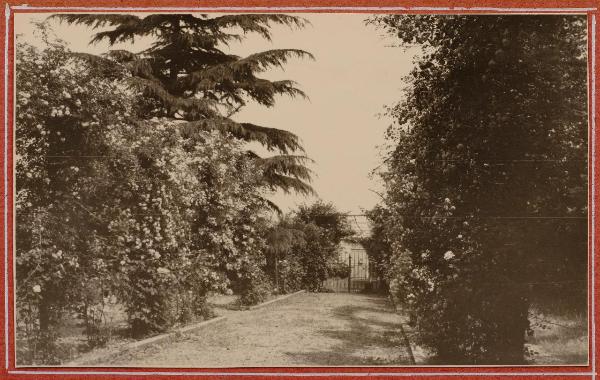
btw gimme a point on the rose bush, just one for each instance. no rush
(62, 109)
(148, 212)
(486, 179)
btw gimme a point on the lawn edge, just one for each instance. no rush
(254, 307)
(417, 354)
(153, 340)
(162, 337)
(185, 329)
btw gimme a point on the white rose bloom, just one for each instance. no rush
(449, 255)
(37, 288)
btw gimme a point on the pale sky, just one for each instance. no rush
(355, 74)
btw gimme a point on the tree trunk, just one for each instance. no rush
(44, 315)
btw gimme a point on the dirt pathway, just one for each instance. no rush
(309, 329)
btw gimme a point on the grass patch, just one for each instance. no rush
(559, 337)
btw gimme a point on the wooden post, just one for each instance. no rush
(349, 273)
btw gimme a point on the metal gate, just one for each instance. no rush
(360, 276)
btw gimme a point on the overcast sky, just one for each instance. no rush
(354, 75)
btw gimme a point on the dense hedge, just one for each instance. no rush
(111, 205)
(486, 181)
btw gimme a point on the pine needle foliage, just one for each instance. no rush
(193, 79)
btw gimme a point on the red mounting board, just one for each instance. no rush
(8, 369)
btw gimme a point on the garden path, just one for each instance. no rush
(309, 329)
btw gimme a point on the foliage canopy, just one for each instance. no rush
(190, 77)
(486, 183)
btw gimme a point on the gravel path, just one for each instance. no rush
(310, 329)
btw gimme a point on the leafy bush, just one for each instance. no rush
(60, 104)
(291, 275)
(255, 289)
(338, 269)
(309, 253)
(483, 169)
(176, 234)
(159, 214)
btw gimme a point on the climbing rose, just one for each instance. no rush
(448, 255)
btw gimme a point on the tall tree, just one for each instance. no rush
(191, 78)
(487, 181)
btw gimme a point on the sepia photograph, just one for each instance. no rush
(231, 190)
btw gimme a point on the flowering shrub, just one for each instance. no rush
(61, 104)
(188, 224)
(485, 184)
(158, 215)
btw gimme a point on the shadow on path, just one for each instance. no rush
(367, 335)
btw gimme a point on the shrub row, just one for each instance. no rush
(110, 205)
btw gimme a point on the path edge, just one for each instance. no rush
(254, 307)
(154, 339)
(185, 329)
(407, 344)
(165, 336)
(411, 355)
